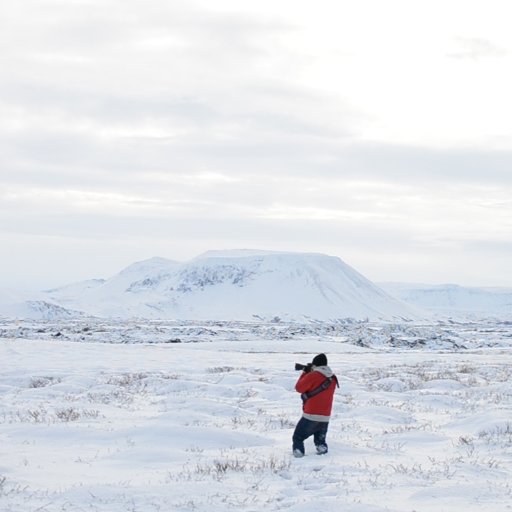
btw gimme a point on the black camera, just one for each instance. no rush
(304, 367)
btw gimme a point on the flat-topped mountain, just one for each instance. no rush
(236, 285)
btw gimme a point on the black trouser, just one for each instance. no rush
(306, 428)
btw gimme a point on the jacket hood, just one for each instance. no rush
(324, 370)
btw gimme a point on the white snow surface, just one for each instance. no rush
(150, 416)
(235, 285)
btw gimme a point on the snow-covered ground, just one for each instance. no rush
(160, 416)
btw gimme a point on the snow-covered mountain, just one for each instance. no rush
(238, 285)
(454, 300)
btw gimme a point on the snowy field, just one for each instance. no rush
(150, 417)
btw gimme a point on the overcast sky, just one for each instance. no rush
(376, 131)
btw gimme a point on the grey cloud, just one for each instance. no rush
(63, 159)
(251, 114)
(415, 165)
(493, 246)
(227, 230)
(94, 28)
(104, 108)
(305, 157)
(115, 78)
(197, 90)
(477, 48)
(237, 144)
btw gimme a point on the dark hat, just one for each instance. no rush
(319, 360)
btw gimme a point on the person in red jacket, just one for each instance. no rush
(316, 386)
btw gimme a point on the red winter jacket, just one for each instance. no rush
(317, 408)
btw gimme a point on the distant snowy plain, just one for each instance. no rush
(99, 415)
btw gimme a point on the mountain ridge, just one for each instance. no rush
(235, 285)
(455, 300)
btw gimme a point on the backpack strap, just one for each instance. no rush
(325, 384)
